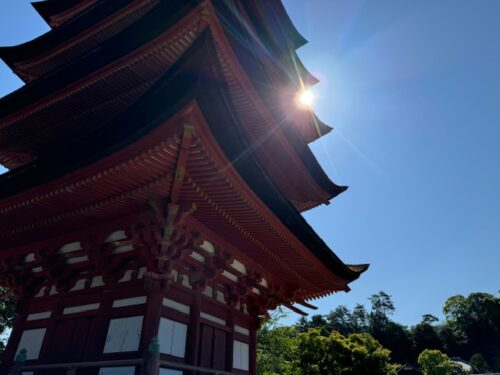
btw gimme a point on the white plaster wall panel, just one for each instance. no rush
(117, 235)
(69, 247)
(241, 355)
(174, 275)
(185, 309)
(185, 281)
(179, 340)
(79, 285)
(130, 301)
(142, 272)
(37, 269)
(219, 296)
(241, 330)
(97, 281)
(29, 258)
(165, 334)
(41, 292)
(230, 276)
(169, 371)
(237, 265)
(53, 290)
(124, 335)
(197, 256)
(213, 318)
(38, 316)
(122, 249)
(74, 260)
(81, 308)
(264, 283)
(127, 276)
(172, 337)
(207, 246)
(31, 340)
(208, 291)
(244, 356)
(236, 355)
(117, 370)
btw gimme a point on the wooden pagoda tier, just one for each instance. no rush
(150, 191)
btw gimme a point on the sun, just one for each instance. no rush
(304, 99)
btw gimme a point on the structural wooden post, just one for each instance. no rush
(152, 363)
(57, 312)
(253, 351)
(230, 342)
(194, 332)
(99, 326)
(150, 328)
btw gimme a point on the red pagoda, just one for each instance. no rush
(158, 166)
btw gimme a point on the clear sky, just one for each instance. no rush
(412, 89)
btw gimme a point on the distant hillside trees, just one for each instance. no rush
(471, 331)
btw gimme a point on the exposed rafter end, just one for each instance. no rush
(305, 304)
(296, 310)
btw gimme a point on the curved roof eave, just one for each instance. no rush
(114, 48)
(49, 8)
(191, 77)
(12, 55)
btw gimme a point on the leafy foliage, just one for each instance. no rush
(479, 363)
(475, 320)
(472, 326)
(337, 354)
(7, 315)
(433, 362)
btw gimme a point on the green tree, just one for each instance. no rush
(339, 320)
(433, 362)
(7, 315)
(429, 318)
(479, 363)
(277, 345)
(359, 319)
(391, 335)
(425, 335)
(356, 354)
(382, 307)
(475, 319)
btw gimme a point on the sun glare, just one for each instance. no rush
(304, 99)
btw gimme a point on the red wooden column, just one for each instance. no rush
(151, 322)
(57, 311)
(253, 351)
(99, 327)
(194, 334)
(230, 341)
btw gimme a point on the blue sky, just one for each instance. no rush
(412, 89)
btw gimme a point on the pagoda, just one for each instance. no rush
(158, 168)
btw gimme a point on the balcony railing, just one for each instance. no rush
(72, 367)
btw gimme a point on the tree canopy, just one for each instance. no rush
(472, 326)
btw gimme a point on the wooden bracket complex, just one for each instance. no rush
(172, 216)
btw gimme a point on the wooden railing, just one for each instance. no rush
(183, 366)
(72, 367)
(150, 365)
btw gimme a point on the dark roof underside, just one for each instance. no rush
(191, 78)
(150, 26)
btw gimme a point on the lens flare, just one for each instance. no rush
(304, 99)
